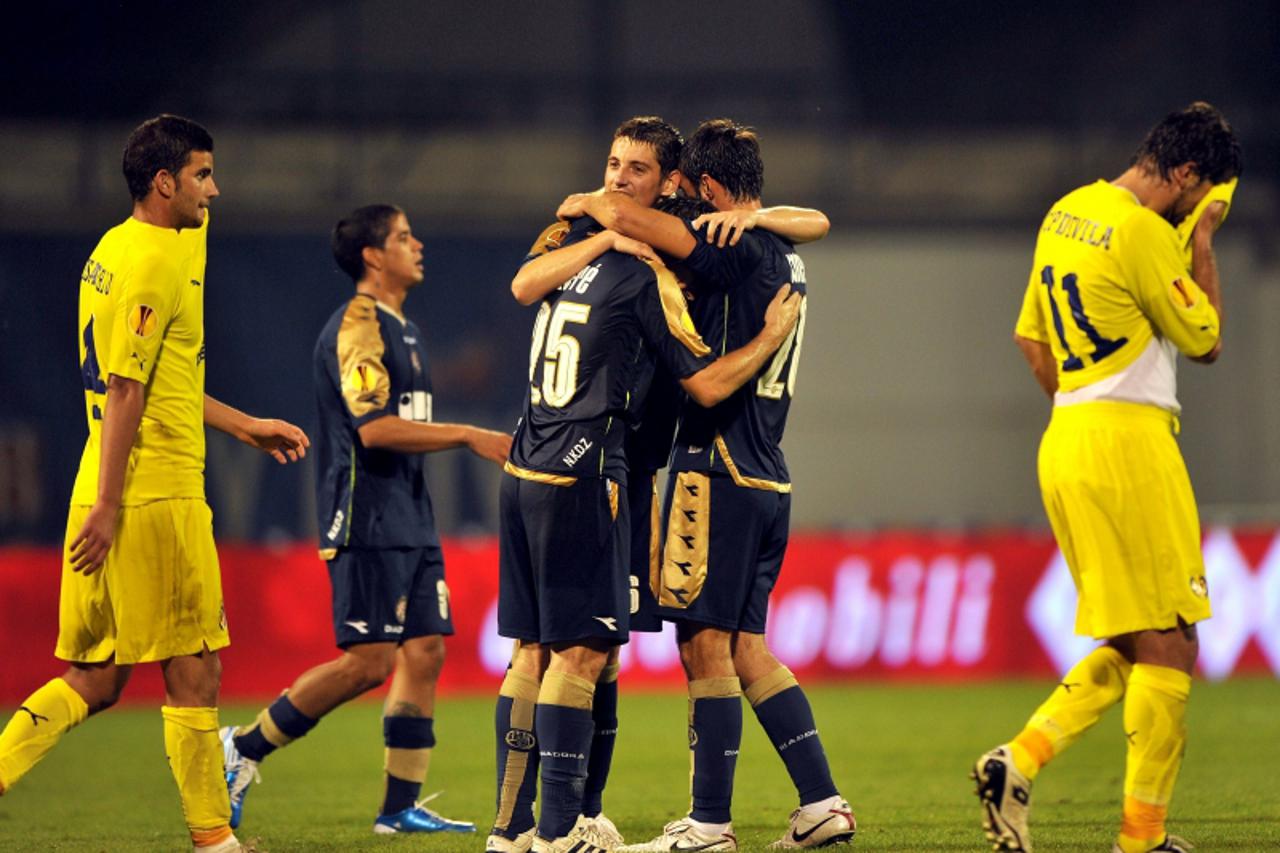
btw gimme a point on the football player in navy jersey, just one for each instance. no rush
(377, 530)
(563, 588)
(729, 497)
(642, 162)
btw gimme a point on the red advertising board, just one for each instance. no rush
(885, 605)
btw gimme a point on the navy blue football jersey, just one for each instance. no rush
(742, 435)
(369, 362)
(595, 343)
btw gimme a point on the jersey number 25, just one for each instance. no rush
(560, 359)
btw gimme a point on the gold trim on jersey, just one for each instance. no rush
(551, 238)
(684, 559)
(538, 476)
(366, 385)
(655, 538)
(748, 482)
(676, 311)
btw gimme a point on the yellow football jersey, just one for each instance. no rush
(1107, 277)
(142, 317)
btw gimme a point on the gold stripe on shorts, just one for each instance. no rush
(655, 538)
(538, 476)
(684, 559)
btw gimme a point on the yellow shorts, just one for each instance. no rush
(1120, 502)
(157, 596)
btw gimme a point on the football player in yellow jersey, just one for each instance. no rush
(1110, 303)
(140, 580)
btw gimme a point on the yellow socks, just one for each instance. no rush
(1155, 726)
(195, 757)
(1091, 687)
(37, 727)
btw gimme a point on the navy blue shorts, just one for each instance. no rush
(562, 561)
(646, 549)
(388, 595)
(722, 551)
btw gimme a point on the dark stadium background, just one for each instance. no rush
(934, 134)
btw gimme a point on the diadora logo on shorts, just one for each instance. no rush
(610, 622)
(520, 739)
(359, 624)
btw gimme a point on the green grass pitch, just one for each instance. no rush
(900, 754)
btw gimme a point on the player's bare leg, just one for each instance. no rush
(408, 732)
(313, 694)
(783, 710)
(191, 741)
(53, 710)
(518, 764)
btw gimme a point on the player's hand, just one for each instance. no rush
(574, 206)
(88, 551)
(487, 444)
(280, 440)
(628, 246)
(1210, 220)
(782, 313)
(729, 224)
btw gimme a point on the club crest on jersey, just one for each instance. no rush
(1178, 293)
(143, 320)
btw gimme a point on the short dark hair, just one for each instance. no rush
(663, 136)
(365, 226)
(683, 206)
(164, 142)
(728, 152)
(1197, 134)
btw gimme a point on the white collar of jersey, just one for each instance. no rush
(393, 312)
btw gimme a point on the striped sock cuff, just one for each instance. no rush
(724, 687)
(771, 685)
(519, 685)
(566, 690)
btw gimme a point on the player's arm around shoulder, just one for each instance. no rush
(619, 212)
(731, 371)
(797, 224)
(549, 265)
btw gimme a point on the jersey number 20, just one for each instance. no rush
(770, 384)
(560, 359)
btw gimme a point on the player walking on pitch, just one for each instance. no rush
(1109, 304)
(140, 578)
(377, 530)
